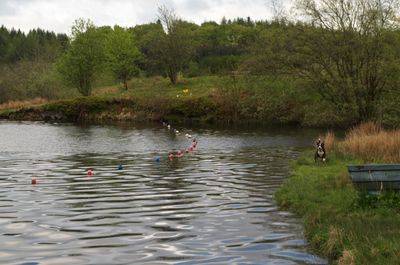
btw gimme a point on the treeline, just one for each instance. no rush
(26, 63)
(31, 63)
(342, 58)
(36, 44)
(168, 47)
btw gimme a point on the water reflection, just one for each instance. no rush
(214, 206)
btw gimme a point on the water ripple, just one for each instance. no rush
(214, 206)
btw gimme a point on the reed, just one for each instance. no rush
(372, 143)
(330, 141)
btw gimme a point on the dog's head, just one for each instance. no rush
(321, 148)
(320, 144)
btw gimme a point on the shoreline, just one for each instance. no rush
(341, 224)
(201, 100)
(199, 110)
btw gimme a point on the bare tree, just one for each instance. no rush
(175, 47)
(344, 52)
(278, 10)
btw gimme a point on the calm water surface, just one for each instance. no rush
(213, 206)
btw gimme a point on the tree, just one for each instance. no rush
(4, 43)
(83, 58)
(270, 51)
(122, 54)
(343, 51)
(146, 37)
(174, 47)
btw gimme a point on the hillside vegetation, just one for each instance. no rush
(325, 67)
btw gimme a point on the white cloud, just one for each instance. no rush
(58, 15)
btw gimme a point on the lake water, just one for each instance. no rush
(212, 206)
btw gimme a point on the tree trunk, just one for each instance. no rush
(173, 76)
(125, 84)
(85, 86)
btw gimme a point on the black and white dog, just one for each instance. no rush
(320, 153)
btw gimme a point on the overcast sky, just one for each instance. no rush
(58, 15)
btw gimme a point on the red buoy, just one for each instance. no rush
(34, 181)
(89, 173)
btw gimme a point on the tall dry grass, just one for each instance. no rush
(15, 104)
(372, 143)
(368, 141)
(330, 141)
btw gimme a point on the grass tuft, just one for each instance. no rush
(334, 242)
(372, 143)
(347, 258)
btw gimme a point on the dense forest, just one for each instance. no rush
(341, 60)
(26, 63)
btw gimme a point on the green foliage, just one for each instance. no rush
(122, 54)
(83, 58)
(190, 109)
(340, 222)
(174, 47)
(313, 74)
(36, 44)
(347, 57)
(30, 79)
(147, 36)
(26, 60)
(388, 199)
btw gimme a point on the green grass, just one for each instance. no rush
(242, 100)
(206, 99)
(341, 223)
(159, 86)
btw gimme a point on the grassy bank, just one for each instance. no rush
(342, 224)
(243, 99)
(211, 99)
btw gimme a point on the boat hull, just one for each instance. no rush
(375, 177)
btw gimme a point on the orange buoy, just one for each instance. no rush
(171, 156)
(33, 181)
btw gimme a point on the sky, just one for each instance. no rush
(59, 15)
